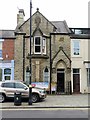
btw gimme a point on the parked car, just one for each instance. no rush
(8, 88)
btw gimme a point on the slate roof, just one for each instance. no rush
(61, 26)
(7, 34)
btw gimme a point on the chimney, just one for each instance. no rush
(20, 17)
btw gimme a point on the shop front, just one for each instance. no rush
(7, 70)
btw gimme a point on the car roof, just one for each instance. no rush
(10, 81)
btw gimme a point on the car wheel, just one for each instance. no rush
(35, 98)
(2, 97)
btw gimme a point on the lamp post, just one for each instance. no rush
(30, 86)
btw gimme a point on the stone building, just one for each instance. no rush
(50, 49)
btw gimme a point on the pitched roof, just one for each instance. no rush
(7, 34)
(61, 26)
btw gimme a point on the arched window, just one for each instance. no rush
(46, 75)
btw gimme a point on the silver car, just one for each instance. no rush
(8, 88)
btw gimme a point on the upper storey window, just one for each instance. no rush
(39, 45)
(76, 47)
(1, 40)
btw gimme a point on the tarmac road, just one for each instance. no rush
(45, 113)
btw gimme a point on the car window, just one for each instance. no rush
(8, 85)
(19, 85)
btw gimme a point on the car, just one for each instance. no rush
(9, 88)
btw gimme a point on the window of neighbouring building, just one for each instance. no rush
(0, 49)
(0, 74)
(88, 76)
(76, 47)
(39, 45)
(46, 75)
(7, 73)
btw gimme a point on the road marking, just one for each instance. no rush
(48, 109)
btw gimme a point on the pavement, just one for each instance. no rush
(53, 101)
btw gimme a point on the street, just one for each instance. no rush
(45, 113)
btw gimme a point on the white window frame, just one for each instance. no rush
(88, 77)
(72, 46)
(44, 45)
(7, 75)
(37, 45)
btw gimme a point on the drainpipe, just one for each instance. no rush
(50, 66)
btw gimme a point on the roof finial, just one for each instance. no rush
(37, 9)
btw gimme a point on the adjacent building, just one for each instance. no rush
(7, 55)
(80, 70)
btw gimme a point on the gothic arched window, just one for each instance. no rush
(46, 75)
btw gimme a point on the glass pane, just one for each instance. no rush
(0, 74)
(8, 85)
(37, 49)
(7, 71)
(46, 69)
(44, 42)
(76, 47)
(18, 85)
(0, 53)
(37, 40)
(75, 70)
(7, 77)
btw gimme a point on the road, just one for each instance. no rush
(45, 113)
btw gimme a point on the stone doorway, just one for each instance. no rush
(60, 80)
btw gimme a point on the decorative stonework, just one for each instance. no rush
(37, 20)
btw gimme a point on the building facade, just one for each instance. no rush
(6, 55)
(50, 49)
(80, 68)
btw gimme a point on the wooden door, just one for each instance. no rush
(76, 83)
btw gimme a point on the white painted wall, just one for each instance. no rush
(78, 62)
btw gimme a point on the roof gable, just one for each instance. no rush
(37, 12)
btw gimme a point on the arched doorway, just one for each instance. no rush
(61, 76)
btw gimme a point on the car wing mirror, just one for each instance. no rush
(25, 88)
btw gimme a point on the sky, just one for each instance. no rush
(75, 12)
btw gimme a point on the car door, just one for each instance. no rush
(21, 88)
(9, 89)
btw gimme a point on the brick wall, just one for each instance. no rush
(8, 49)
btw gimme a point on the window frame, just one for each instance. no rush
(7, 74)
(38, 45)
(72, 46)
(44, 45)
(88, 76)
(75, 49)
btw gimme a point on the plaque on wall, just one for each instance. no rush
(61, 39)
(37, 20)
(53, 70)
